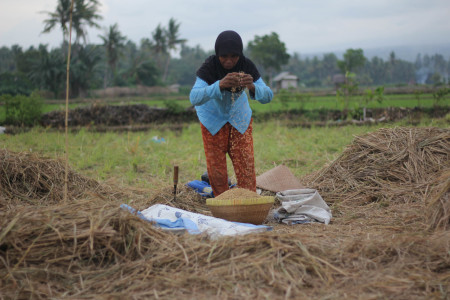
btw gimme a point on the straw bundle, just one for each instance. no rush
(89, 248)
(390, 165)
(87, 230)
(439, 206)
(28, 178)
(92, 248)
(186, 199)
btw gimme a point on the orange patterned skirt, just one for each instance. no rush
(240, 150)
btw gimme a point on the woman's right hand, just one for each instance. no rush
(229, 81)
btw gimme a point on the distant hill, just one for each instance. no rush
(408, 53)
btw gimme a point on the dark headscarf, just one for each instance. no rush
(228, 42)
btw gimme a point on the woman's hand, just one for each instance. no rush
(237, 80)
(246, 81)
(229, 81)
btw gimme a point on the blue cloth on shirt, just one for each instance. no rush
(215, 108)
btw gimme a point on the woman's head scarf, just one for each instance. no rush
(228, 42)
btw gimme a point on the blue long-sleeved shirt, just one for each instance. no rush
(215, 107)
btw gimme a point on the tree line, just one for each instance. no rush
(119, 61)
(320, 72)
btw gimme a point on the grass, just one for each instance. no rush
(135, 158)
(314, 102)
(277, 105)
(331, 102)
(377, 246)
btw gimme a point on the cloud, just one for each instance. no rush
(304, 26)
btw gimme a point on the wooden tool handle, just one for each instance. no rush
(175, 175)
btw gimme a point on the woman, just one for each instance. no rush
(224, 113)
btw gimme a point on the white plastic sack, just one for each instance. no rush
(302, 206)
(170, 217)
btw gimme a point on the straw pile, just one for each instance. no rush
(29, 179)
(390, 165)
(439, 206)
(89, 248)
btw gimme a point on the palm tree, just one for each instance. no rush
(84, 69)
(160, 43)
(84, 14)
(113, 41)
(173, 40)
(48, 70)
(60, 17)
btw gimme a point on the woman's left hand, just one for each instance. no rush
(246, 80)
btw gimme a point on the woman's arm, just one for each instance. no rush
(201, 92)
(258, 90)
(262, 93)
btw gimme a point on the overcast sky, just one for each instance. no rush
(305, 26)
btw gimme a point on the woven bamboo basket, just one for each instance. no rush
(249, 210)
